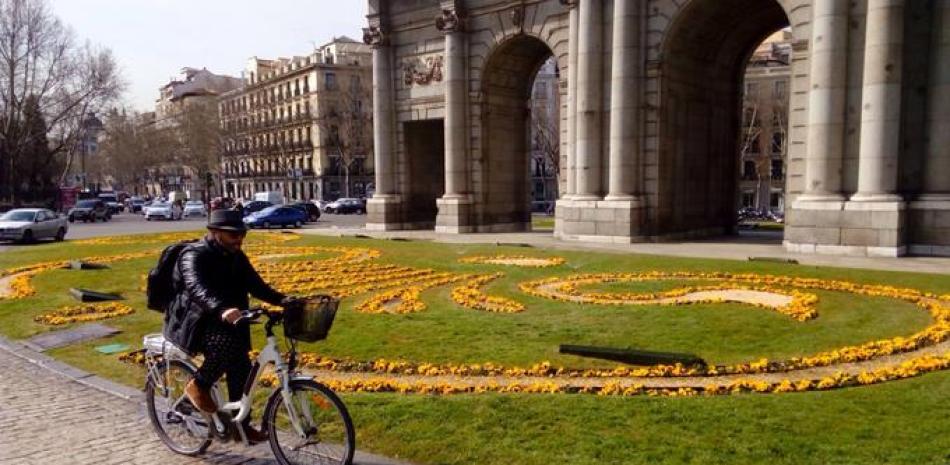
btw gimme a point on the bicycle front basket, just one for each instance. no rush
(312, 321)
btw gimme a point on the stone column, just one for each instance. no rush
(937, 162)
(826, 101)
(571, 100)
(383, 115)
(881, 102)
(589, 102)
(624, 103)
(456, 127)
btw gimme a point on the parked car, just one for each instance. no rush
(30, 224)
(195, 208)
(256, 206)
(89, 210)
(276, 216)
(312, 211)
(136, 204)
(345, 205)
(221, 203)
(162, 210)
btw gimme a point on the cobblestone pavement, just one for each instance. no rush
(48, 418)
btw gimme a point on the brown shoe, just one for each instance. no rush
(255, 436)
(200, 398)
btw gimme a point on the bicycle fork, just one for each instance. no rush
(291, 403)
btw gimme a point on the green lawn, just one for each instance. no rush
(897, 422)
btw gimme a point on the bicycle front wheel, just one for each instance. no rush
(178, 423)
(314, 429)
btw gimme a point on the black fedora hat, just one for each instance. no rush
(227, 220)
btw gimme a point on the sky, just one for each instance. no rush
(153, 39)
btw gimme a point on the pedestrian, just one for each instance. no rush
(212, 279)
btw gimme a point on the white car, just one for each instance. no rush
(30, 224)
(162, 210)
(195, 208)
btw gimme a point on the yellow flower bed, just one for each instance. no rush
(801, 307)
(258, 237)
(20, 284)
(84, 313)
(469, 295)
(514, 260)
(908, 369)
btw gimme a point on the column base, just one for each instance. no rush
(385, 213)
(618, 221)
(865, 228)
(929, 225)
(876, 197)
(455, 214)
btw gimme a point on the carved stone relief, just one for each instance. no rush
(422, 71)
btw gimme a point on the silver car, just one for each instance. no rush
(30, 224)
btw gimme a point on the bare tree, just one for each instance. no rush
(347, 126)
(200, 138)
(40, 59)
(545, 133)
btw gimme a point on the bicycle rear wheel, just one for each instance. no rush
(315, 429)
(178, 423)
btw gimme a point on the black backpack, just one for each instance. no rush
(161, 290)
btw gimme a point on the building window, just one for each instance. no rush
(775, 201)
(748, 199)
(751, 88)
(748, 169)
(781, 89)
(329, 80)
(777, 169)
(778, 142)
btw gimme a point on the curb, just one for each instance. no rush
(30, 354)
(23, 351)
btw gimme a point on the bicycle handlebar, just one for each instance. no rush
(250, 315)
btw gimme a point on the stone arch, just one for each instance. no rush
(700, 64)
(507, 75)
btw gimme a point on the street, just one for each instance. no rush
(134, 223)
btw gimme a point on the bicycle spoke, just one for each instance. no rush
(325, 426)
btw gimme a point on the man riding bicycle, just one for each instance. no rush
(212, 279)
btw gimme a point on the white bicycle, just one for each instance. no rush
(307, 423)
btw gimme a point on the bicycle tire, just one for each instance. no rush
(329, 452)
(153, 415)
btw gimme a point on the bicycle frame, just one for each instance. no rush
(269, 354)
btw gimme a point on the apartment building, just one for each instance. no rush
(301, 125)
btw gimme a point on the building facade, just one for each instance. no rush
(763, 147)
(301, 125)
(196, 91)
(651, 116)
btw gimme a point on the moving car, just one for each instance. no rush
(112, 201)
(255, 206)
(89, 210)
(345, 205)
(29, 224)
(195, 208)
(136, 204)
(276, 216)
(312, 211)
(162, 210)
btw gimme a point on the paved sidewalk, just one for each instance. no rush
(47, 417)
(728, 248)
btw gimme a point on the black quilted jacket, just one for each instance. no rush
(209, 280)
